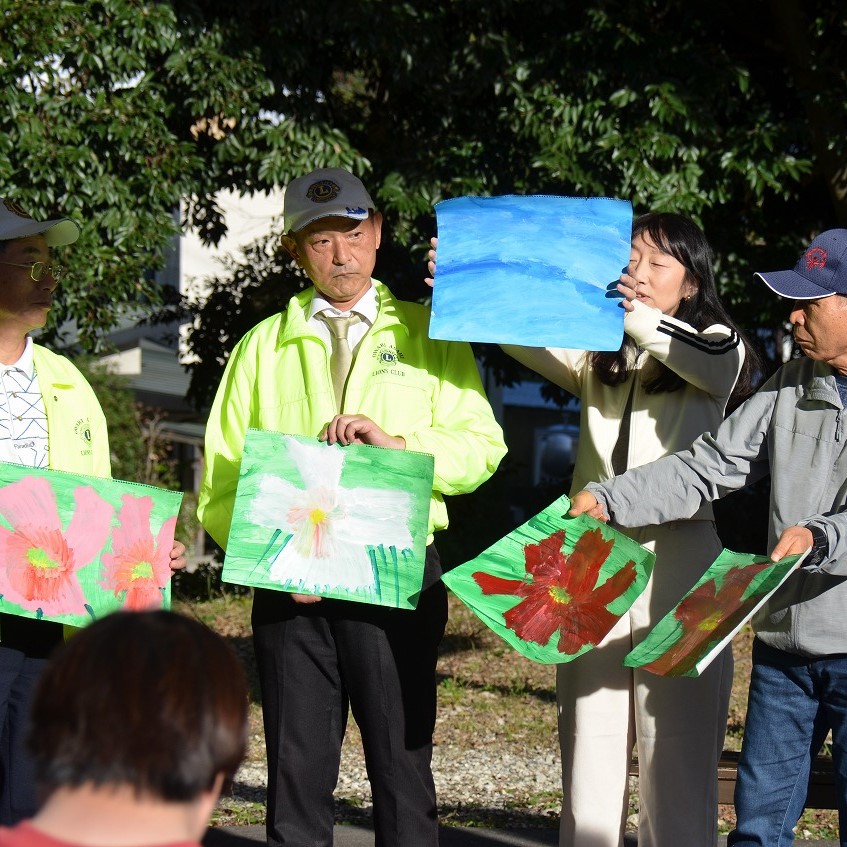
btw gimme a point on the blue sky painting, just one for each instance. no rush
(530, 270)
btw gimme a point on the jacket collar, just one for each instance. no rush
(296, 322)
(821, 386)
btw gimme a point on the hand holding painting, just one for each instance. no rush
(627, 286)
(794, 540)
(359, 429)
(584, 502)
(429, 280)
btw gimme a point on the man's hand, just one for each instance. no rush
(431, 263)
(178, 561)
(586, 503)
(793, 541)
(357, 429)
(306, 598)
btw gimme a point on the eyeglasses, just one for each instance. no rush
(38, 269)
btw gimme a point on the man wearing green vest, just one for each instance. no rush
(318, 656)
(49, 418)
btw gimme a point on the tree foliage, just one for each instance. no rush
(731, 112)
(114, 111)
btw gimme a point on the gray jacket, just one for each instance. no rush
(794, 429)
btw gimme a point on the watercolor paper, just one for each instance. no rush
(76, 547)
(687, 639)
(554, 587)
(344, 522)
(531, 270)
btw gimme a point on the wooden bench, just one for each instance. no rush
(821, 793)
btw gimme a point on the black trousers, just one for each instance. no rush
(26, 644)
(314, 661)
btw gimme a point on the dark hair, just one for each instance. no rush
(680, 237)
(152, 700)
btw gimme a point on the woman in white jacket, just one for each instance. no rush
(681, 362)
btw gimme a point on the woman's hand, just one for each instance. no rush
(627, 287)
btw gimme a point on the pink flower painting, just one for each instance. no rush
(138, 568)
(39, 560)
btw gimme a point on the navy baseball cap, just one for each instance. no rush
(820, 272)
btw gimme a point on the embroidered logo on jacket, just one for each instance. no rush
(388, 357)
(387, 354)
(82, 430)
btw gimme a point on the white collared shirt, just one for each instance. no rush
(23, 419)
(365, 308)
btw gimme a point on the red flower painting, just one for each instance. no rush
(38, 559)
(708, 614)
(139, 565)
(561, 593)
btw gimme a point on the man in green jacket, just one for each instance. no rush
(49, 418)
(404, 391)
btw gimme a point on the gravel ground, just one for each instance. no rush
(483, 786)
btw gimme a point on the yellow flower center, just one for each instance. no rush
(143, 570)
(317, 516)
(559, 595)
(708, 624)
(39, 559)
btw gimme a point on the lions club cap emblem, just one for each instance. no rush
(322, 191)
(16, 209)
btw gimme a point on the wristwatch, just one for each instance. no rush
(820, 547)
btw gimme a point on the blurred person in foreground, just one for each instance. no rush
(793, 429)
(137, 724)
(49, 418)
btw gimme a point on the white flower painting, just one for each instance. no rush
(347, 523)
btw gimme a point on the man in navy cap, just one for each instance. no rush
(795, 429)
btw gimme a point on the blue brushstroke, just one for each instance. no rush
(530, 270)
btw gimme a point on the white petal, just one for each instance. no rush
(347, 567)
(319, 464)
(273, 498)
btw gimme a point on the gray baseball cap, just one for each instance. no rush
(323, 193)
(16, 222)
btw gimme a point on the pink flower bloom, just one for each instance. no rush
(38, 561)
(139, 564)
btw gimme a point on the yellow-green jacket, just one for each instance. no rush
(77, 439)
(426, 391)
